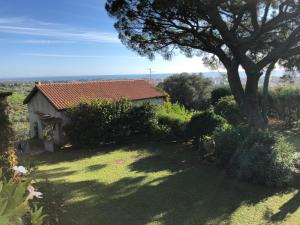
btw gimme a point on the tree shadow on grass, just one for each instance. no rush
(53, 173)
(193, 194)
(96, 167)
(288, 208)
(291, 205)
(71, 154)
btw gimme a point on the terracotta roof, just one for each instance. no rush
(65, 95)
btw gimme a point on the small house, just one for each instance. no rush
(47, 103)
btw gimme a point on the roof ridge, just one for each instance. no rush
(88, 82)
(61, 94)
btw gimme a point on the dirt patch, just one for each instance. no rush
(120, 161)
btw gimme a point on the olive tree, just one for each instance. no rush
(247, 34)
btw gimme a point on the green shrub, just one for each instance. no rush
(15, 199)
(284, 103)
(227, 140)
(266, 159)
(204, 123)
(8, 160)
(229, 109)
(190, 90)
(6, 133)
(220, 92)
(172, 119)
(97, 122)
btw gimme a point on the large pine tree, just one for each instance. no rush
(248, 34)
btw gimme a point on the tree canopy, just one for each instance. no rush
(251, 34)
(190, 90)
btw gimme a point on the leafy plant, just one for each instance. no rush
(173, 118)
(14, 202)
(220, 92)
(266, 159)
(203, 124)
(228, 108)
(190, 90)
(227, 140)
(284, 103)
(52, 203)
(106, 121)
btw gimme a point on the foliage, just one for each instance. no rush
(204, 123)
(220, 92)
(266, 159)
(288, 79)
(258, 157)
(15, 202)
(284, 103)
(172, 120)
(96, 122)
(232, 34)
(8, 160)
(18, 112)
(229, 109)
(227, 140)
(6, 134)
(52, 203)
(190, 90)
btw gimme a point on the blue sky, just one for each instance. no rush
(70, 37)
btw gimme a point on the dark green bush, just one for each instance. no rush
(284, 103)
(97, 122)
(140, 118)
(229, 109)
(266, 159)
(227, 140)
(260, 157)
(6, 133)
(190, 90)
(220, 92)
(204, 123)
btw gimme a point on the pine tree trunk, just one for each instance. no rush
(247, 98)
(252, 107)
(265, 96)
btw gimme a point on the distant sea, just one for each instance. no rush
(110, 77)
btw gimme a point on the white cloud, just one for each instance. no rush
(45, 41)
(24, 26)
(61, 55)
(33, 54)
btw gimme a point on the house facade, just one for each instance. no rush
(47, 103)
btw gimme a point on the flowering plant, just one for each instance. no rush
(15, 195)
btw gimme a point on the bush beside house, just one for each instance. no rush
(96, 122)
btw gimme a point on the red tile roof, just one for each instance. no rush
(65, 95)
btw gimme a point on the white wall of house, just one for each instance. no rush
(154, 101)
(40, 104)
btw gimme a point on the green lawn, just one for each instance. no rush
(163, 184)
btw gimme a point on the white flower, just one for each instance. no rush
(20, 169)
(33, 193)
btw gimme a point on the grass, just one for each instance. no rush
(159, 184)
